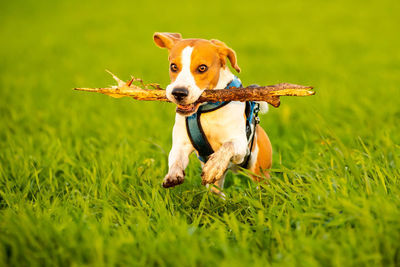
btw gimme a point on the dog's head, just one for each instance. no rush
(195, 65)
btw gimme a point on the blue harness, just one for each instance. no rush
(196, 133)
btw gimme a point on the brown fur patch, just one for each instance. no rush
(204, 53)
(264, 156)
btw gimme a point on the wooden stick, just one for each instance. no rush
(268, 94)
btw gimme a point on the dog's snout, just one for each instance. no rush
(180, 93)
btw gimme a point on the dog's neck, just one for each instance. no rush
(225, 77)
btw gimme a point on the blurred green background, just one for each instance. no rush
(80, 173)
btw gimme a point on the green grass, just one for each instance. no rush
(80, 174)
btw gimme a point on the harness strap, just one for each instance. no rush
(252, 109)
(198, 137)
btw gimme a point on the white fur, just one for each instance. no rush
(180, 143)
(224, 125)
(254, 155)
(178, 158)
(225, 77)
(263, 107)
(185, 79)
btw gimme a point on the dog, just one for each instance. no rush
(222, 134)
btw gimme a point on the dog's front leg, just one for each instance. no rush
(218, 162)
(177, 161)
(178, 158)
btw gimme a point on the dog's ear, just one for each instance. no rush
(224, 52)
(166, 39)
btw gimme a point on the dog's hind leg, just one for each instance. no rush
(261, 159)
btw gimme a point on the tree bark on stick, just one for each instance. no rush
(268, 94)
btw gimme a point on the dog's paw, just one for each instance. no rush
(214, 169)
(174, 178)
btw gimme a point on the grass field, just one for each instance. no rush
(80, 174)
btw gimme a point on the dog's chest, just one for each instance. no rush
(224, 124)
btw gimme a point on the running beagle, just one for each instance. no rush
(223, 134)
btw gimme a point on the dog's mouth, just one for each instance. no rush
(187, 110)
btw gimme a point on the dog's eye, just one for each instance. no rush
(202, 68)
(173, 67)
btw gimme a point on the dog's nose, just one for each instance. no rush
(180, 93)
